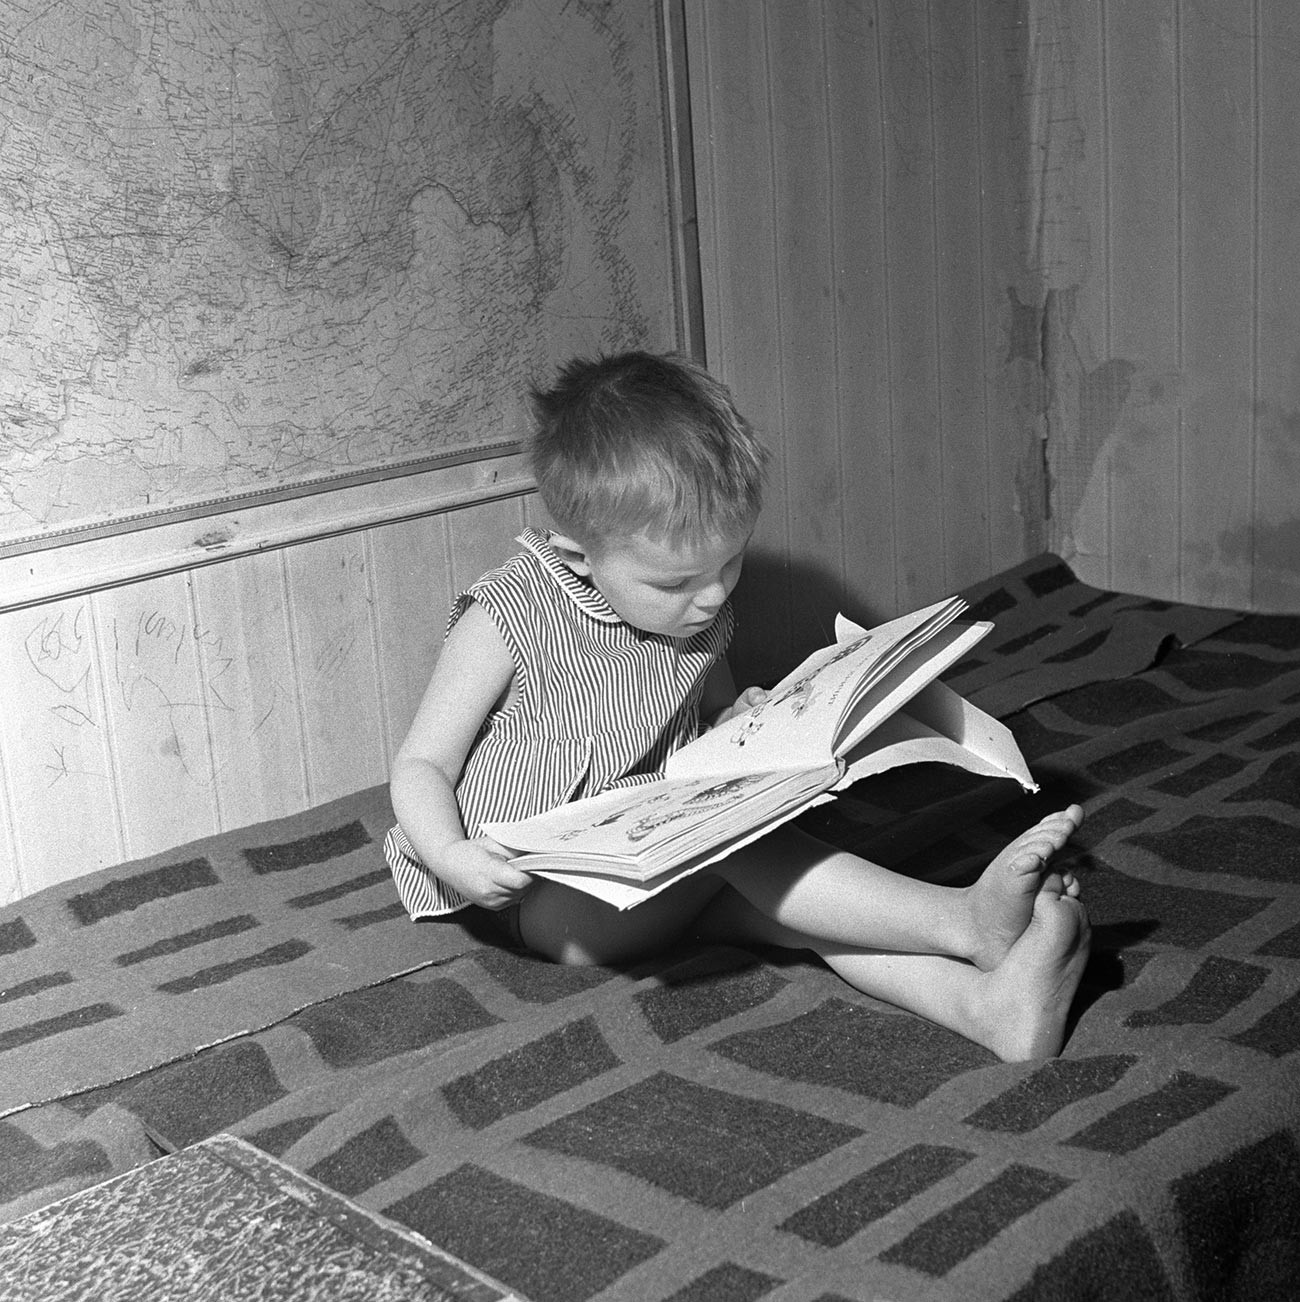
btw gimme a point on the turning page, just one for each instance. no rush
(834, 697)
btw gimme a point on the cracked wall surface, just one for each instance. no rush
(1160, 238)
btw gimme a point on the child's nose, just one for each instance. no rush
(713, 594)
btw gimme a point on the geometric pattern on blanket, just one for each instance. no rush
(145, 962)
(728, 1125)
(138, 964)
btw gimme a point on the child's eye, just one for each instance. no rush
(671, 587)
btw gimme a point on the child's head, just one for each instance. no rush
(639, 444)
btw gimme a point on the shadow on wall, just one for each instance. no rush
(785, 610)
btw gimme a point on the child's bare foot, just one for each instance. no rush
(1002, 900)
(1025, 1001)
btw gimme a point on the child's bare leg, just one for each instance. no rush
(842, 899)
(569, 926)
(1018, 1010)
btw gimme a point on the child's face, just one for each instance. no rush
(661, 586)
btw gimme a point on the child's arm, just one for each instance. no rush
(720, 702)
(473, 673)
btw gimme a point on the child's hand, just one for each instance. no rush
(480, 870)
(745, 702)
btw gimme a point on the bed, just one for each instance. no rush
(721, 1124)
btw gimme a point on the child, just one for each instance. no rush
(594, 653)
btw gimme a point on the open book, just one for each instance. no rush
(866, 704)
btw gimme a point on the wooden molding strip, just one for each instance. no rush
(92, 563)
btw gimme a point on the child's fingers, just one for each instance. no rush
(501, 883)
(511, 880)
(503, 899)
(516, 881)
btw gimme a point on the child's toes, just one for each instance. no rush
(1028, 862)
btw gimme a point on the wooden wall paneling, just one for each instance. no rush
(481, 538)
(706, 63)
(1276, 559)
(244, 643)
(535, 515)
(1219, 270)
(11, 869)
(960, 342)
(805, 273)
(331, 607)
(730, 74)
(910, 258)
(861, 324)
(1064, 155)
(1130, 413)
(411, 565)
(61, 805)
(1077, 290)
(157, 711)
(1011, 297)
(1076, 308)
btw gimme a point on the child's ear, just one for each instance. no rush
(573, 554)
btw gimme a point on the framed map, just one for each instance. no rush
(252, 249)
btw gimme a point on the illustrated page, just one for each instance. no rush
(659, 823)
(800, 722)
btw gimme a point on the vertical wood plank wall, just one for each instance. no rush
(863, 262)
(1176, 443)
(1000, 277)
(147, 715)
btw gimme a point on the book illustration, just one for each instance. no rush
(751, 726)
(799, 697)
(623, 812)
(617, 820)
(668, 818)
(710, 798)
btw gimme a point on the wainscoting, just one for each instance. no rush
(146, 714)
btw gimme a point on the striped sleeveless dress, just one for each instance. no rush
(599, 704)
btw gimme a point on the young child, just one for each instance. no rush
(596, 651)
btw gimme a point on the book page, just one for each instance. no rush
(940, 727)
(643, 830)
(800, 722)
(906, 677)
(624, 892)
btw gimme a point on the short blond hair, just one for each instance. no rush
(639, 442)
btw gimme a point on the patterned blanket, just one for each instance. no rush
(721, 1124)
